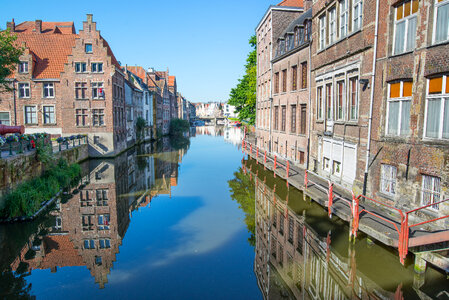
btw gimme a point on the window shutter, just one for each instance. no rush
(435, 85)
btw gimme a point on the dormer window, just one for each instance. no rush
(297, 37)
(88, 48)
(23, 67)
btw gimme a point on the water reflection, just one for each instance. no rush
(300, 253)
(87, 225)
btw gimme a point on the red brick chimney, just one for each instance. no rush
(11, 25)
(38, 26)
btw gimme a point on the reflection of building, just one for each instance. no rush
(209, 130)
(87, 228)
(308, 256)
(233, 135)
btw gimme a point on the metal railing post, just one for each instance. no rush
(331, 198)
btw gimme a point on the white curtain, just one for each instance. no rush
(411, 34)
(405, 117)
(399, 38)
(393, 116)
(446, 119)
(442, 23)
(433, 117)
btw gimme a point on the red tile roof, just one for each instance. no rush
(49, 51)
(162, 74)
(138, 71)
(291, 3)
(60, 252)
(171, 80)
(47, 27)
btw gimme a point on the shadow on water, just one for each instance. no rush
(300, 252)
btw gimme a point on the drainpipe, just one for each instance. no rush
(373, 75)
(14, 98)
(309, 83)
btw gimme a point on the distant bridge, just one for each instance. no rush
(211, 120)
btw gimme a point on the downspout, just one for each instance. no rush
(373, 76)
(309, 83)
(15, 103)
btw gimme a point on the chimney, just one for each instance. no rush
(90, 18)
(11, 25)
(38, 26)
(150, 70)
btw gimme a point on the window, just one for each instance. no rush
(283, 121)
(281, 255)
(301, 157)
(304, 75)
(103, 222)
(102, 197)
(98, 117)
(4, 118)
(431, 191)
(276, 83)
(388, 179)
(24, 90)
(49, 115)
(398, 110)
(281, 223)
(437, 108)
(49, 90)
(344, 17)
(88, 48)
(105, 243)
(284, 81)
(293, 119)
(307, 30)
(97, 90)
(23, 67)
(30, 115)
(273, 246)
(89, 244)
(290, 230)
(339, 108)
(81, 117)
(322, 31)
(87, 221)
(80, 90)
(274, 216)
(300, 236)
(297, 36)
(98, 260)
(326, 164)
(405, 26)
(332, 25)
(302, 129)
(441, 21)
(80, 67)
(336, 168)
(356, 15)
(319, 103)
(353, 98)
(276, 117)
(329, 101)
(294, 78)
(85, 198)
(96, 67)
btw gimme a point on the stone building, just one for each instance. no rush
(291, 93)
(269, 29)
(67, 84)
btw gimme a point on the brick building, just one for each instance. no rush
(269, 29)
(67, 84)
(291, 92)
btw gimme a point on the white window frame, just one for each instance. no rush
(25, 115)
(49, 87)
(95, 86)
(433, 193)
(97, 112)
(21, 68)
(435, 16)
(388, 179)
(344, 18)
(26, 86)
(332, 25)
(357, 19)
(43, 114)
(320, 110)
(91, 48)
(343, 102)
(349, 97)
(322, 26)
(96, 64)
(443, 96)
(406, 20)
(9, 117)
(80, 64)
(400, 99)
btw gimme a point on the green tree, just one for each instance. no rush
(243, 191)
(9, 57)
(243, 96)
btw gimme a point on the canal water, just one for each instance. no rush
(195, 219)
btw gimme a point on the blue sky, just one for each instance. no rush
(203, 43)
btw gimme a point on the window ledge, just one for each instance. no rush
(435, 141)
(446, 42)
(401, 54)
(31, 124)
(340, 40)
(81, 99)
(319, 121)
(386, 196)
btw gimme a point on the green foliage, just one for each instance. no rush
(9, 57)
(27, 198)
(14, 285)
(243, 96)
(140, 127)
(178, 127)
(179, 142)
(44, 151)
(243, 191)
